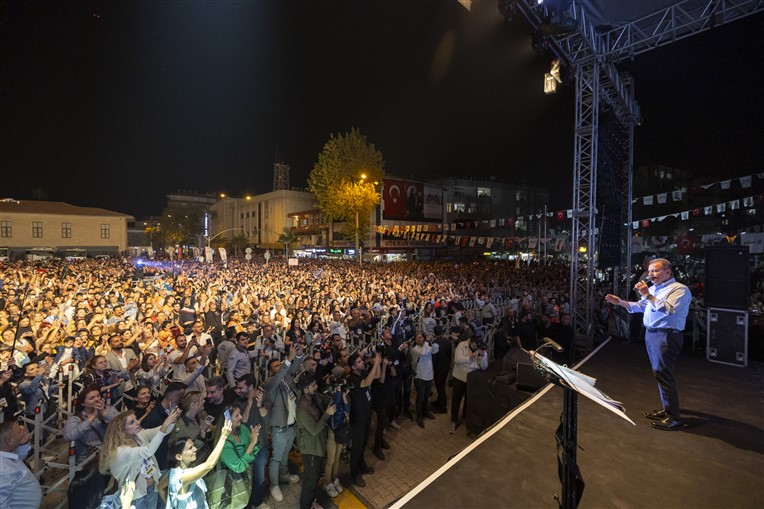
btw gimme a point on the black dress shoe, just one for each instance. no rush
(378, 453)
(667, 424)
(384, 444)
(656, 415)
(430, 415)
(420, 423)
(439, 410)
(358, 481)
(407, 414)
(367, 470)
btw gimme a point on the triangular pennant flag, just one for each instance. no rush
(648, 200)
(662, 197)
(745, 182)
(748, 201)
(493, 223)
(489, 243)
(676, 195)
(570, 213)
(721, 207)
(734, 204)
(686, 214)
(708, 210)
(725, 184)
(635, 225)
(472, 241)
(707, 186)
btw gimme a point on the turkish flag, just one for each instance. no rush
(695, 212)
(645, 223)
(560, 216)
(394, 196)
(685, 244)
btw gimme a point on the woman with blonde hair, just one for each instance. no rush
(128, 453)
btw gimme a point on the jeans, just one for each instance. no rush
(282, 440)
(423, 391)
(258, 477)
(148, 501)
(313, 465)
(663, 349)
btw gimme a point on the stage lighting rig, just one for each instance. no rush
(552, 78)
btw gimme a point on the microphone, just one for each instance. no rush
(649, 281)
(554, 344)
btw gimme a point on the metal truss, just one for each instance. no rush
(671, 24)
(584, 199)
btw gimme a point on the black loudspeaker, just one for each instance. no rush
(529, 378)
(727, 277)
(727, 335)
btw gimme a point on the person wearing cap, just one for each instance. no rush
(360, 413)
(313, 412)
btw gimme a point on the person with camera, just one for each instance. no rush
(383, 392)
(87, 425)
(254, 415)
(313, 413)
(338, 435)
(360, 413)
(421, 355)
(468, 356)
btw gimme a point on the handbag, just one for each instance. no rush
(342, 434)
(227, 489)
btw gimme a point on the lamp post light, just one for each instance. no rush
(357, 224)
(209, 239)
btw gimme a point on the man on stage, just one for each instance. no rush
(665, 306)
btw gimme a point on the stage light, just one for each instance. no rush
(552, 78)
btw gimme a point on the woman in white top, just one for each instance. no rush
(186, 488)
(128, 453)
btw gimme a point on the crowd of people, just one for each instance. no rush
(191, 383)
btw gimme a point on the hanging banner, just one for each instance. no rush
(676, 195)
(685, 244)
(223, 255)
(648, 200)
(208, 251)
(745, 182)
(662, 198)
(725, 184)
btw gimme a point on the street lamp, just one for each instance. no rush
(209, 239)
(357, 227)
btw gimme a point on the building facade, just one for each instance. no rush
(60, 226)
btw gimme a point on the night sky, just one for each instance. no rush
(115, 105)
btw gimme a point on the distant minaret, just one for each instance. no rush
(280, 174)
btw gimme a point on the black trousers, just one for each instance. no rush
(440, 388)
(359, 432)
(423, 391)
(459, 391)
(383, 417)
(313, 469)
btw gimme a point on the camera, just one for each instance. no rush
(376, 347)
(333, 384)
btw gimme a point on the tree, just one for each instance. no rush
(239, 242)
(337, 179)
(182, 223)
(287, 239)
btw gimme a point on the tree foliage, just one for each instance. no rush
(336, 179)
(181, 223)
(287, 239)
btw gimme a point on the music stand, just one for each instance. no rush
(573, 383)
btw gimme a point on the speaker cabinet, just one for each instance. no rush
(529, 378)
(727, 277)
(727, 335)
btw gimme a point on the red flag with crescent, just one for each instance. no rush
(685, 244)
(394, 199)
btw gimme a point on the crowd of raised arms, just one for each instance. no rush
(188, 384)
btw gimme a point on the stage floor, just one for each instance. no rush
(717, 461)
